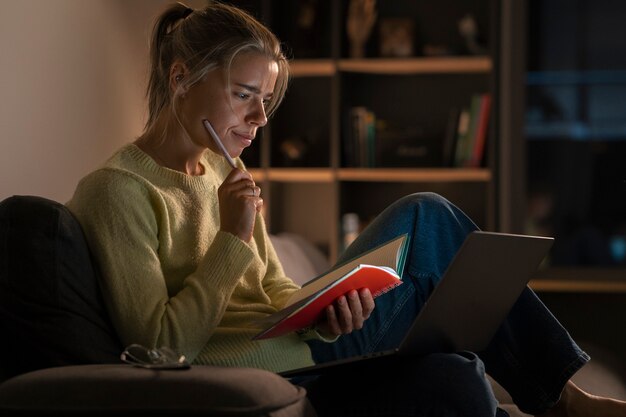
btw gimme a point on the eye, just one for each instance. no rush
(242, 96)
(266, 102)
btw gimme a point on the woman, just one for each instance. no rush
(186, 261)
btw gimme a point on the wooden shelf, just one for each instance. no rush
(328, 67)
(372, 174)
(417, 65)
(300, 175)
(590, 286)
(414, 174)
(580, 280)
(258, 174)
(312, 68)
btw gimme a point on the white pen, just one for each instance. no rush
(219, 143)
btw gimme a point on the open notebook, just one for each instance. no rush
(378, 269)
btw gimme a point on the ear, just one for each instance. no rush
(178, 72)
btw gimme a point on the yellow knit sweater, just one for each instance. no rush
(170, 277)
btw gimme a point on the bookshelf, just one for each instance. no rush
(310, 197)
(300, 159)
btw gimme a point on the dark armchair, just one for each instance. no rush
(59, 353)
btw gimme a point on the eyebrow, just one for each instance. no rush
(253, 89)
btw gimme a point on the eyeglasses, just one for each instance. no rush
(157, 358)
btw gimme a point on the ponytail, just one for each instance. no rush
(162, 57)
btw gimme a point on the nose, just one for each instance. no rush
(257, 115)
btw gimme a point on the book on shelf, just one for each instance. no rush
(379, 269)
(449, 141)
(460, 148)
(482, 128)
(472, 129)
(360, 141)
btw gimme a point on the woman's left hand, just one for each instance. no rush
(347, 313)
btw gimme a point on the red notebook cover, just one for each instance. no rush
(378, 279)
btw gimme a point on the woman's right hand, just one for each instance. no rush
(348, 313)
(239, 200)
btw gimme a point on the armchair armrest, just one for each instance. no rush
(127, 390)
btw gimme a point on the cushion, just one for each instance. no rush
(51, 309)
(127, 390)
(300, 259)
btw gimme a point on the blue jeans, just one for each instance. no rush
(532, 356)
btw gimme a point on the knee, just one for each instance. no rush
(459, 383)
(426, 200)
(437, 385)
(429, 206)
(447, 367)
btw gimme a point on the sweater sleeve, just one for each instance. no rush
(280, 287)
(119, 218)
(276, 284)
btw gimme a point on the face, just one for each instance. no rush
(235, 108)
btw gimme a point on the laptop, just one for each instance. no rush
(474, 296)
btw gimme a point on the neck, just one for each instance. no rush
(172, 151)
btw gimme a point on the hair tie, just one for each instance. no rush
(187, 12)
(178, 18)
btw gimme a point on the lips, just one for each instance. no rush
(245, 138)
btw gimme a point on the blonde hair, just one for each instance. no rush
(204, 40)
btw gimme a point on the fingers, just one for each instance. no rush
(253, 192)
(247, 188)
(332, 323)
(356, 308)
(240, 202)
(344, 315)
(367, 303)
(349, 312)
(242, 184)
